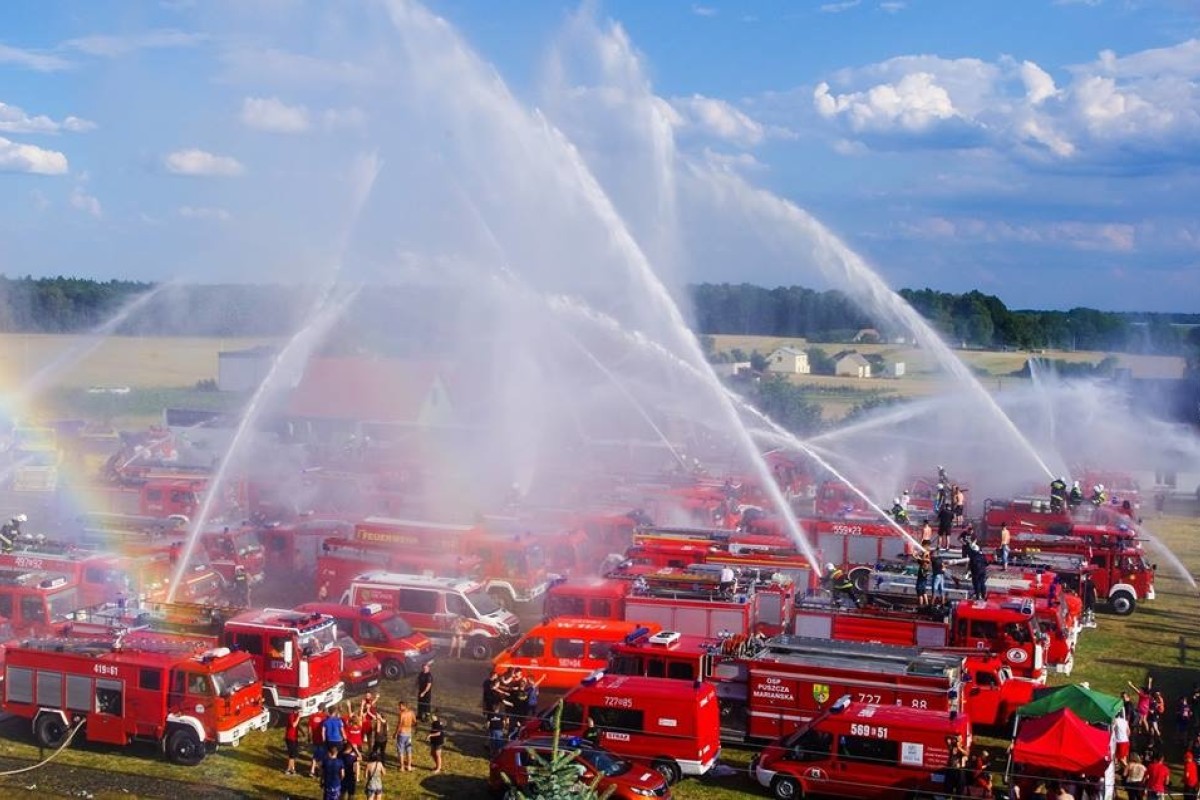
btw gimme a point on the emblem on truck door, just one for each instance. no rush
(821, 693)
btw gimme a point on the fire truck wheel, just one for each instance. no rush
(184, 747)
(668, 769)
(50, 730)
(393, 670)
(786, 789)
(479, 648)
(1122, 603)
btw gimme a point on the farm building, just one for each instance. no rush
(244, 370)
(788, 360)
(850, 363)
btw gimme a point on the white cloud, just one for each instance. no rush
(704, 11)
(16, 157)
(837, 8)
(732, 162)
(200, 162)
(194, 212)
(1114, 112)
(913, 104)
(716, 118)
(31, 59)
(85, 202)
(1111, 237)
(272, 114)
(16, 120)
(113, 45)
(893, 6)
(282, 67)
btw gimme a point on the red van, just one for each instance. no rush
(863, 751)
(674, 726)
(384, 634)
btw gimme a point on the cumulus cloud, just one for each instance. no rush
(15, 120)
(704, 11)
(893, 6)
(716, 118)
(837, 8)
(204, 213)
(85, 202)
(202, 163)
(113, 45)
(17, 157)
(285, 68)
(273, 115)
(1113, 110)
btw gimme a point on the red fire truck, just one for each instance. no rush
(514, 566)
(1008, 628)
(33, 600)
(1121, 575)
(342, 560)
(295, 652)
(224, 550)
(766, 686)
(185, 695)
(160, 498)
(294, 547)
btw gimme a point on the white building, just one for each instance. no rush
(851, 364)
(244, 370)
(788, 360)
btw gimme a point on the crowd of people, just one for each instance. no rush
(509, 699)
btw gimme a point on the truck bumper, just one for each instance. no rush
(764, 776)
(309, 705)
(699, 767)
(235, 734)
(362, 685)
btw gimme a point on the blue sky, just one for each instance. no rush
(1042, 151)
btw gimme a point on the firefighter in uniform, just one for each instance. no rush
(840, 585)
(241, 586)
(1099, 496)
(1075, 498)
(10, 532)
(899, 512)
(1058, 494)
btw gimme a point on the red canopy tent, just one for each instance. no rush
(1064, 742)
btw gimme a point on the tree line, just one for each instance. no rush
(973, 319)
(71, 305)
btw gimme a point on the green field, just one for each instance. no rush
(1120, 649)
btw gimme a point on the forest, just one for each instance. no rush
(73, 305)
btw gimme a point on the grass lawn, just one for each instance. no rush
(1120, 649)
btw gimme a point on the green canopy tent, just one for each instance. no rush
(1087, 704)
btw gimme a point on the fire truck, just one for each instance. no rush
(159, 498)
(295, 652)
(1121, 575)
(223, 550)
(513, 566)
(294, 547)
(768, 686)
(1008, 628)
(32, 600)
(708, 599)
(342, 560)
(185, 695)
(103, 577)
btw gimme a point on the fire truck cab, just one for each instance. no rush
(676, 727)
(182, 693)
(33, 600)
(594, 598)
(296, 654)
(864, 751)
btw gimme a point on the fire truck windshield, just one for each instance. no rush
(62, 603)
(484, 605)
(396, 627)
(203, 586)
(244, 542)
(236, 677)
(319, 639)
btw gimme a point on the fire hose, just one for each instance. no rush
(66, 743)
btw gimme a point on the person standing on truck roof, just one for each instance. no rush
(1004, 550)
(1075, 497)
(840, 585)
(922, 587)
(1058, 494)
(424, 692)
(937, 571)
(945, 523)
(241, 586)
(899, 512)
(960, 503)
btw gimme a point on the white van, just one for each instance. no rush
(430, 605)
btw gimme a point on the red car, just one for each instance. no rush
(626, 780)
(360, 669)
